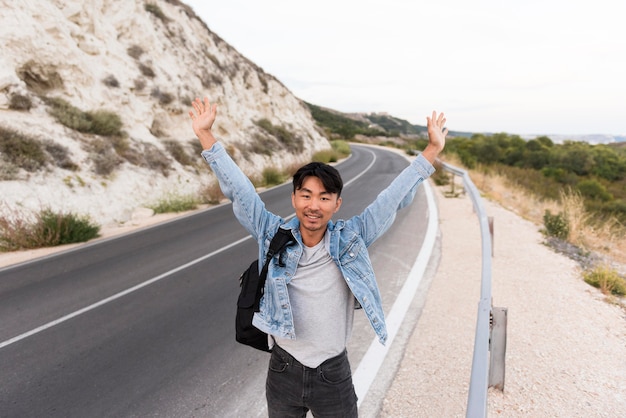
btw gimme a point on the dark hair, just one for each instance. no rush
(328, 175)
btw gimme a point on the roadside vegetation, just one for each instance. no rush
(21, 151)
(98, 122)
(339, 149)
(281, 134)
(572, 226)
(595, 172)
(44, 229)
(606, 279)
(174, 202)
(554, 191)
(575, 190)
(272, 176)
(108, 148)
(338, 125)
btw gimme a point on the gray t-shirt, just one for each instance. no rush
(322, 306)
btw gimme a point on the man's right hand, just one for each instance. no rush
(203, 121)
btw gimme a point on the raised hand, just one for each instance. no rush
(202, 121)
(436, 136)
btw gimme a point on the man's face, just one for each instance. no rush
(314, 205)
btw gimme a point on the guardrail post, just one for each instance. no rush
(497, 346)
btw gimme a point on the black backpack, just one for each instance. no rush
(252, 286)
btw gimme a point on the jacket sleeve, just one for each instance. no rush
(248, 207)
(380, 214)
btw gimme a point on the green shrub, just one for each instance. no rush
(556, 225)
(105, 123)
(272, 176)
(121, 145)
(164, 98)
(135, 51)
(104, 157)
(111, 81)
(155, 159)
(60, 155)
(100, 122)
(606, 279)
(20, 102)
(261, 144)
(139, 84)
(282, 134)
(156, 11)
(175, 203)
(147, 71)
(592, 189)
(325, 156)
(68, 115)
(22, 150)
(196, 147)
(8, 171)
(341, 147)
(46, 229)
(211, 79)
(65, 228)
(177, 151)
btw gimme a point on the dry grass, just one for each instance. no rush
(607, 238)
(606, 279)
(212, 194)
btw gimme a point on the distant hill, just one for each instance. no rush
(591, 139)
(351, 125)
(382, 124)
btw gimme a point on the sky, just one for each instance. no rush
(531, 67)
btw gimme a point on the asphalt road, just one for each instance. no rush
(143, 324)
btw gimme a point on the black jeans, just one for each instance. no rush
(292, 389)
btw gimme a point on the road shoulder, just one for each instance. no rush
(565, 347)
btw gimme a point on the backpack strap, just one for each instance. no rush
(280, 241)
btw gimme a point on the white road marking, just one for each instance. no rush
(372, 360)
(118, 295)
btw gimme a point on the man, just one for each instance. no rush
(310, 292)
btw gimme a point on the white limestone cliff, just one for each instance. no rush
(146, 66)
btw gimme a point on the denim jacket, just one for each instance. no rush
(349, 240)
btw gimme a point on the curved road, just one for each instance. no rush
(142, 325)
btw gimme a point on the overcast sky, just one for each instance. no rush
(523, 67)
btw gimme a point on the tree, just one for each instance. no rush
(607, 163)
(592, 189)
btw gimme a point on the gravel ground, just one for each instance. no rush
(566, 346)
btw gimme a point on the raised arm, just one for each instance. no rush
(203, 121)
(248, 207)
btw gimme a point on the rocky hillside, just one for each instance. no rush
(94, 99)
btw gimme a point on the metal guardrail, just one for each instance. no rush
(486, 370)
